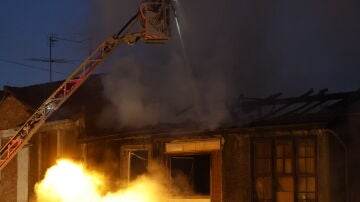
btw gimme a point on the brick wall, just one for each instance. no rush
(8, 181)
(216, 177)
(236, 173)
(12, 113)
(54, 140)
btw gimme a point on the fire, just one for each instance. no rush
(71, 182)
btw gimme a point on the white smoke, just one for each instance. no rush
(231, 48)
(141, 97)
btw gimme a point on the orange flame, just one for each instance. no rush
(71, 182)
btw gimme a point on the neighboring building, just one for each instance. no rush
(57, 138)
(300, 149)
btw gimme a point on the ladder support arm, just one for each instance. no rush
(60, 95)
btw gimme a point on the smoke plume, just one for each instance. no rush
(228, 48)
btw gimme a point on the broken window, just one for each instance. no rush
(134, 161)
(284, 170)
(138, 163)
(191, 173)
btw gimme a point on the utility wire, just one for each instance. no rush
(70, 40)
(30, 66)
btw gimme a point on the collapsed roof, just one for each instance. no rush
(310, 107)
(89, 100)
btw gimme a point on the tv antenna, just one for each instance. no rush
(52, 40)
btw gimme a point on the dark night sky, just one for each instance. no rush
(255, 47)
(25, 26)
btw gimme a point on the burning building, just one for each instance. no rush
(272, 149)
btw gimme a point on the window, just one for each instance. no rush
(263, 171)
(134, 161)
(284, 170)
(191, 173)
(306, 173)
(138, 162)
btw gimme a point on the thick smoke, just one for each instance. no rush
(127, 93)
(141, 98)
(229, 48)
(167, 83)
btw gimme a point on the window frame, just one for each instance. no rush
(187, 155)
(273, 175)
(125, 158)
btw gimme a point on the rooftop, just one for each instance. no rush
(310, 107)
(307, 109)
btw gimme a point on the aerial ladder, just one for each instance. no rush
(153, 17)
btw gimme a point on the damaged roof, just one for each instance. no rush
(310, 108)
(305, 112)
(320, 107)
(163, 130)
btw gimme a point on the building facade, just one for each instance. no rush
(298, 149)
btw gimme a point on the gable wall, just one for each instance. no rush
(12, 113)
